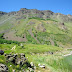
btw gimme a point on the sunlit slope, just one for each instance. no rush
(37, 30)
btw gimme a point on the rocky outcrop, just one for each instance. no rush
(20, 60)
(3, 68)
(17, 59)
(12, 13)
(2, 13)
(24, 13)
(43, 14)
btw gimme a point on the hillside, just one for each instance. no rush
(34, 26)
(36, 36)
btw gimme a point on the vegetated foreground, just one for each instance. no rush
(35, 41)
(51, 56)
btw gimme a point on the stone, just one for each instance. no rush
(3, 68)
(23, 70)
(17, 59)
(1, 52)
(41, 66)
(32, 64)
(11, 59)
(22, 54)
(15, 55)
(13, 71)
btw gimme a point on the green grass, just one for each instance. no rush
(37, 18)
(28, 49)
(54, 62)
(53, 31)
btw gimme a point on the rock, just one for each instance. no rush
(27, 71)
(41, 66)
(10, 65)
(22, 45)
(2, 13)
(32, 64)
(5, 54)
(15, 55)
(50, 52)
(22, 55)
(12, 59)
(17, 59)
(13, 48)
(31, 69)
(1, 52)
(8, 56)
(61, 23)
(13, 71)
(3, 68)
(23, 70)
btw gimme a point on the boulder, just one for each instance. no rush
(32, 64)
(13, 71)
(41, 66)
(3, 68)
(1, 52)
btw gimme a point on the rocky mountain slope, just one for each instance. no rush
(37, 27)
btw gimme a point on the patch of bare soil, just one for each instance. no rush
(11, 36)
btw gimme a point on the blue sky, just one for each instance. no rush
(57, 6)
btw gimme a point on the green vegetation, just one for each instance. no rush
(37, 18)
(36, 54)
(28, 50)
(44, 39)
(51, 19)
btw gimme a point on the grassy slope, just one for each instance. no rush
(53, 31)
(35, 53)
(28, 50)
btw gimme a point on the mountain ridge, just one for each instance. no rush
(41, 14)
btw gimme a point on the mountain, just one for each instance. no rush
(37, 27)
(34, 40)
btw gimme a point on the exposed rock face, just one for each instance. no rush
(43, 14)
(11, 13)
(23, 13)
(2, 13)
(40, 27)
(21, 60)
(3, 68)
(17, 59)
